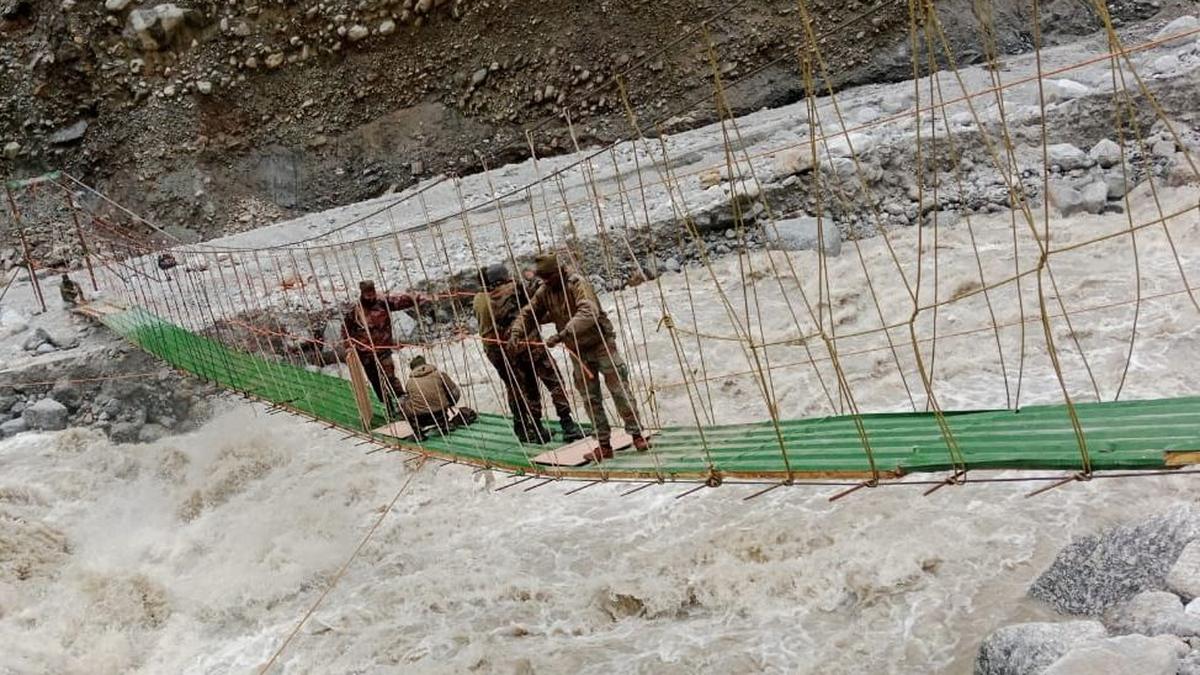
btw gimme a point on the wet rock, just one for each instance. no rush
(1032, 647)
(1106, 153)
(125, 432)
(1152, 613)
(46, 415)
(1094, 573)
(12, 149)
(1067, 157)
(387, 27)
(204, 87)
(1184, 577)
(274, 60)
(65, 392)
(357, 32)
(69, 134)
(801, 234)
(478, 77)
(1124, 655)
(151, 433)
(45, 348)
(13, 427)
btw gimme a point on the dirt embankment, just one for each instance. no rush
(213, 117)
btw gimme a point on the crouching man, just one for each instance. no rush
(430, 400)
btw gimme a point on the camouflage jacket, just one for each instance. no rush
(429, 390)
(376, 332)
(574, 310)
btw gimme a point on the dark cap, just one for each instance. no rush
(496, 274)
(365, 286)
(546, 265)
(417, 361)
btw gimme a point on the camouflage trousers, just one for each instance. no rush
(606, 364)
(521, 373)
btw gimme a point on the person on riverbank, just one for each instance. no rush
(568, 301)
(496, 308)
(367, 330)
(71, 293)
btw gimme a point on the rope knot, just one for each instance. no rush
(666, 321)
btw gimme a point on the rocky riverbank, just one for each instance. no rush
(1130, 602)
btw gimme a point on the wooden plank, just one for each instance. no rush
(1186, 458)
(361, 389)
(401, 430)
(573, 454)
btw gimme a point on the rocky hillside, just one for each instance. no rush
(219, 116)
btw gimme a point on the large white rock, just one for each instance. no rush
(1064, 90)
(1184, 24)
(1106, 153)
(1067, 157)
(1124, 655)
(1152, 613)
(1184, 577)
(1026, 648)
(116, 5)
(46, 415)
(801, 234)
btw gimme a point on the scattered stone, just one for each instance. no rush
(12, 149)
(274, 60)
(69, 134)
(151, 433)
(709, 178)
(1106, 153)
(125, 432)
(1167, 63)
(1153, 613)
(800, 234)
(204, 87)
(1031, 647)
(357, 32)
(793, 161)
(404, 327)
(387, 27)
(116, 5)
(45, 348)
(1093, 573)
(46, 415)
(157, 27)
(1067, 157)
(1094, 196)
(1189, 664)
(63, 339)
(1184, 24)
(1117, 184)
(65, 392)
(1124, 655)
(1184, 577)
(479, 76)
(13, 427)
(1064, 90)
(1179, 171)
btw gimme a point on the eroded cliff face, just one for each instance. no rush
(213, 117)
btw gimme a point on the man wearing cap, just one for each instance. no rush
(367, 329)
(496, 308)
(568, 301)
(431, 398)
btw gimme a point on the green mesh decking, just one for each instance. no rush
(1128, 435)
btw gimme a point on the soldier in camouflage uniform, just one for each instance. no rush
(568, 301)
(496, 308)
(367, 329)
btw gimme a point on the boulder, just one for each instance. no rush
(404, 327)
(1064, 90)
(1152, 613)
(1180, 172)
(1106, 153)
(1026, 648)
(13, 427)
(46, 415)
(800, 234)
(63, 338)
(157, 27)
(1096, 572)
(793, 161)
(1124, 655)
(116, 5)
(12, 322)
(1184, 24)
(1094, 196)
(1184, 577)
(69, 134)
(1064, 197)
(387, 27)
(1189, 664)
(1117, 184)
(65, 392)
(46, 348)
(124, 432)
(1067, 157)
(151, 433)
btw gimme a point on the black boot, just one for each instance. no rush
(570, 429)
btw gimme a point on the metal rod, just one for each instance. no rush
(583, 487)
(534, 487)
(695, 489)
(638, 488)
(516, 482)
(87, 258)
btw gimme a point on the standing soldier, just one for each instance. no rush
(367, 329)
(565, 299)
(496, 308)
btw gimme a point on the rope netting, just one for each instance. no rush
(738, 347)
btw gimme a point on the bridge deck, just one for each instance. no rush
(1126, 435)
